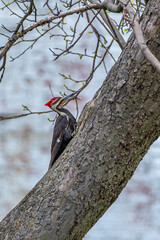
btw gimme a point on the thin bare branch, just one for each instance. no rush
(116, 33)
(75, 26)
(25, 16)
(33, 40)
(139, 35)
(47, 20)
(2, 68)
(22, 115)
(80, 35)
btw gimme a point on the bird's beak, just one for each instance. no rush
(65, 99)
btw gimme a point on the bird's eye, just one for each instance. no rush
(55, 101)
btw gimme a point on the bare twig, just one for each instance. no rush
(50, 89)
(80, 55)
(33, 40)
(50, 9)
(77, 110)
(25, 16)
(75, 26)
(111, 25)
(2, 68)
(22, 115)
(44, 21)
(139, 35)
(80, 35)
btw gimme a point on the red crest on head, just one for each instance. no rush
(50, 101)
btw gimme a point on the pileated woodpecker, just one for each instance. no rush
(64, 128)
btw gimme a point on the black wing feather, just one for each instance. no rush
(58, 134)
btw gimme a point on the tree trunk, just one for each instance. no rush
(115, 131)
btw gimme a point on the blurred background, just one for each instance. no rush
(25, 142)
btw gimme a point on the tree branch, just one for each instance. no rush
(73, 44)
(118, 37)
(2, 68)
(139, 36)
(6, 117)
(116, 8)
(47, 20)
(25, 16)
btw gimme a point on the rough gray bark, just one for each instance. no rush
(115, 131)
